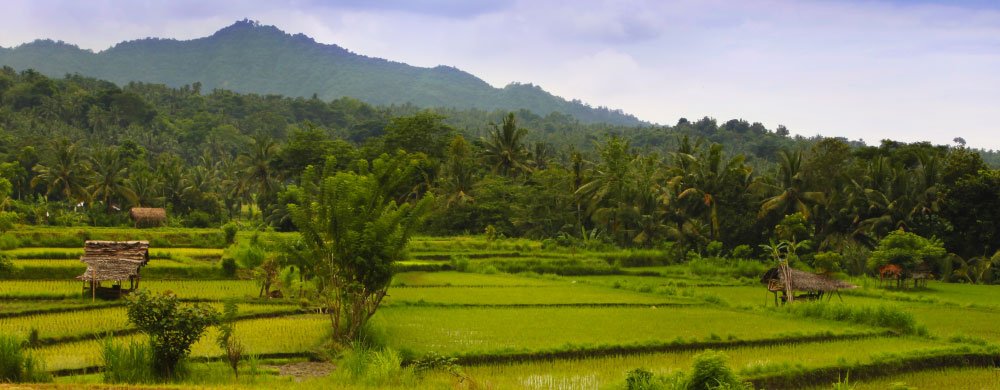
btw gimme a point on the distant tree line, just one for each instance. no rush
(80, 151)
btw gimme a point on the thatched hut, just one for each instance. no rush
(788, 281)
(148, 216)
(113, 261)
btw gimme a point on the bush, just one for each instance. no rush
(130, 363)
(711, 372)
(742, 252)
(18, 365)
(374, 367)
(229, 267)
(229, 230)
(640, 379)
(199, 219)
(171, 328)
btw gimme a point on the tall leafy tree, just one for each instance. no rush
(357, 231)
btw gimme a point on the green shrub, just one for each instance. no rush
(460, 263)
(711, 372)
(130, 363)
(171, 327)
(640, 379)
(228, 266)
(742, 252)
(18, 365)
(229, 232)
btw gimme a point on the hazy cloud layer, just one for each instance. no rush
(907, 70)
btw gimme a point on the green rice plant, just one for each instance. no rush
(782, 356)
(503, 331)
(127, 362)
(18, 364)
(566, 294)
(567, 266)
(448, 278)
(951, 378)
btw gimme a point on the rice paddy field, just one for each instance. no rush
(514, 314)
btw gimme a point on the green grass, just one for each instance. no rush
(566, 294)
(502, 330)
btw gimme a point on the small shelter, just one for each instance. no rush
(113, 261)
(788, 281)
(148, 216)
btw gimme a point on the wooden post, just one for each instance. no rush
(788, 282)
(93, 288)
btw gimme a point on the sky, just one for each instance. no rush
(919, 70)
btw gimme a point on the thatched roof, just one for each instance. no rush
(804, 281)
(114, 260)
(148, 214)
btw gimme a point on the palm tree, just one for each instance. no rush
(66, 173)
(700, 179)
(505, 150)
(259, 168)
(109, 174)
(606, 194)
(791, 196)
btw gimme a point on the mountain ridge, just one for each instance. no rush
(250, 57)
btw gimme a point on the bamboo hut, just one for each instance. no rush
(148, 216)
(115, 262)
(789, 281)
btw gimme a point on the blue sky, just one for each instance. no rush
(906, 70)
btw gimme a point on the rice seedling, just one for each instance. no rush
(563, 295)
(953, 378)
(97, 322)
(298, 333)
(467, 279)
(504, 330)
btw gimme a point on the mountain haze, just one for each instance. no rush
(253, 58)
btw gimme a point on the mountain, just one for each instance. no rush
(253, 58)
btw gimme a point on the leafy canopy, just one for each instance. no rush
(906, 250)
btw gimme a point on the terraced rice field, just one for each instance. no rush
(531, 330)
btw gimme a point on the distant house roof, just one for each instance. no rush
(113, 260)
(148, 216)
(804, 281)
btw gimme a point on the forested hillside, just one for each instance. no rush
(252, 58)
(80, 151)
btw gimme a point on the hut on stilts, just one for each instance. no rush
(115, 262)
(148, 216)
(789, 281)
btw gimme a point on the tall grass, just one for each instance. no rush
(881, 316)
(19, 365)
(130, 362)
(376, 367)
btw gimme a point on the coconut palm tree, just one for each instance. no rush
(66, 173)
(791, 195)
(505, 150)
(109, 185)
